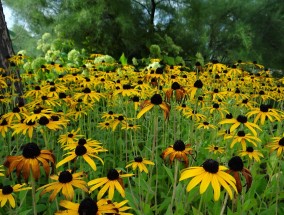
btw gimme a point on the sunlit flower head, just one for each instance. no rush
(215, 149)
(140, 163)
(209, 173)
(113, 181)
(243, 138)
(6, 194)
(236, 169)
(277, 145)
(178, 151)
(251, 153)
(65, 182)
(30, 161)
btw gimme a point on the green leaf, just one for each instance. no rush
(169, 172)
(196, 211)
(123, 60)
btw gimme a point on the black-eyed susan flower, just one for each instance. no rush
(69, 137)
(177, 91)
(140, 163)
(178, 151)
(277, 145)
(24, 128)
(209, 173)
(87, 206)
(130, 126)
(241, 120)
(122, 208)
(205, 125)
(156, 99)
(53, 123)
(15, 114)
(109, 115)
(4, 126)
(126, 90)
(195, 116)
(6, 194)
(87, 95)
(112, 182)
(65, 182)
(105, 125)
(30, 161)
(242, 137)
(192, 91)
(264, 112)
(37, 114)
(215, 149)
(236, 167)
(87, 153)
(251, 153)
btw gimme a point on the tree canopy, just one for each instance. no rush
(226, 30)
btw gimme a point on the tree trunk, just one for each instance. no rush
(6, 51)
(5, 41)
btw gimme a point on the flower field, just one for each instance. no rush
(107, 137)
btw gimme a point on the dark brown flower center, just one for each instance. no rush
(249, 149)
(16, 110)
(54, 118)
(86, 90)
(242, 119)
(44, 98)
(120, 118)
(205, 123)
(241, 134)
(62, 95)
(30, 123)
(264, 108)
(179, 145)
(4, 122)
(236, 164)
(135, 99)
(216, 147)
(88, 207)
(229, 116)
(70, 135)
(6, 190)
(65, 177)
(82, 141)
(216, 91)
(80, 150)
(216, 106)
(126, 87)
(281, 141)
(43, 120)
(156, 99)
(138, 159)
(175, 86)
(211, 166)
(31, 151)
(113, 174)
(198, 84)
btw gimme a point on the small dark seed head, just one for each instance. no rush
(86, 90)
(198, 84)
(65, 177)
(242, 119)
(264, 108)
(216, 106)
(211, 166)
(236, 164)
(175, 86)
(82, 141)
(31, 151)
(88, 207)
(80, 150)
(156, 99)
(6, 190)
(179, 145)
(112, 174)
(43, 120)
(138, 159)
(241, 134)
(229, 116)
(249, 149)
(281, 141)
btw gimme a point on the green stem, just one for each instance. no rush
(175, 185)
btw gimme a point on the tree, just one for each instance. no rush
(5, 41)
(7, 51)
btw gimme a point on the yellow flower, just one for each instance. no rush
(277, 145)
(86, 152)
(242, 137)
(251, 153)
(209, 173)
(264, 112)
(65, 182)
(6, 193)
(24, 128)
(205, 125)
(140, 163)
(112, 182)
(178, 151)
(156, 99)
(70, 137)
(87, 206)
(215, 149)
(241, 120)
(29, 161)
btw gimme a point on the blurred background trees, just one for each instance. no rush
(226, 30)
